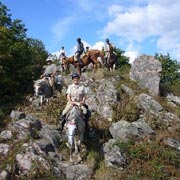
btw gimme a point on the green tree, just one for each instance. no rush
(170, 75)
(122, 60)
(170, 69)
(21, 58)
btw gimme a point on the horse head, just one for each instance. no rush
(65, 63)
(75, 128)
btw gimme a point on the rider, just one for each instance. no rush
(62, 54)
(87, 49)
(50, 71)
(80, 50)
(76, 95)
(107, 49)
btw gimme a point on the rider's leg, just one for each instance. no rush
(63, 116)
(106, 58)
(76, 57)
(79, 60)
(52, 84)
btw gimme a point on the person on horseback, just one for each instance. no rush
(80, 50)
(87, 49)
(62, 54)
(50, 72)
(107, 48)
(76, 95)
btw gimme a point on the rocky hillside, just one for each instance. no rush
(135, 132)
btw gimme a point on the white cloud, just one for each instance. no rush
(170, 43)
(98, 45)
(132, 55)
(155, 19)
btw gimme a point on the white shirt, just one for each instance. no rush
(77, 92)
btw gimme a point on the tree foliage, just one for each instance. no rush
(21, 58)
(122, 60)
(170, 69)
(170, 75)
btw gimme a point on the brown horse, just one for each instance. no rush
(112, 59)
(92, 56)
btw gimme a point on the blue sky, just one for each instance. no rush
(135, 26)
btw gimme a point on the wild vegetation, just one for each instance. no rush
(21, 60)
(170, 75)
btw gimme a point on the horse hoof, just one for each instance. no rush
(71, 161)
(79, 160)
(67, 144)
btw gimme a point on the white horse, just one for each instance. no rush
(75, 129)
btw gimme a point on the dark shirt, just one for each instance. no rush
(80, 48)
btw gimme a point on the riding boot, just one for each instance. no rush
(54, 91)
(62, 122)
(80, 61)
(87, 127)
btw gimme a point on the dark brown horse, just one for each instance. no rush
(92, 56)
(112, 59)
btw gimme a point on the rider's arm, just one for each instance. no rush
(43, 75)
(54, 72)
(69, 97)
(83, 100)
(84, 96)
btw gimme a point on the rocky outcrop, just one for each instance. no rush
(145, 71)
(124, 130)
(42, 146)
(38, 148)
(113, 155)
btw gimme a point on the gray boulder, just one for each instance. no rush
(145, 71)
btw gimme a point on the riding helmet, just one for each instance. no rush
(107, 40)
(49, 59)
(75, 75)
(78, 39)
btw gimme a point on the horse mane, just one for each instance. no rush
(73, 113)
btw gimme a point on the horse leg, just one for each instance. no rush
(71, 139)
(36, 89)
(70, 153)
(99, 65)
(114, 67)
(70, 146)
(110, 68)
(94, 67)
(41, 99)
(77, 144)
(79, 70)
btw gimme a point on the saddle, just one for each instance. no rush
(81, 57)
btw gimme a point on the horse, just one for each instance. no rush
(75, 129)
(112, 59)
(43, 87)
(92, 56)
